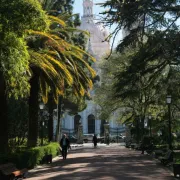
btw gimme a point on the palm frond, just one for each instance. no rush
(44, 89)
(57, 20)
(62, 68)
(91, 70)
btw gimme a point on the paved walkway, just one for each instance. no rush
(103, 163)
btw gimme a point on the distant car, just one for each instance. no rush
(88, 138)
(100, 139)
(117, 138)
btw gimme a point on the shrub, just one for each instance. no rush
(177, 157)
(28, 158)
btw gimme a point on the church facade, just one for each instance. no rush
(98, 48)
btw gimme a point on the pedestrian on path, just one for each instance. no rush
(95, 141)
(65, 145)
(143, 145)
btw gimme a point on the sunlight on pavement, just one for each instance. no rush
(103, 163)
(75, 165)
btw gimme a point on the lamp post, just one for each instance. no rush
(150, 133)
(41, 107)
(137, 129)
(106, 133)
(168, 101)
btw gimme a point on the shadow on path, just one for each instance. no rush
(113, 163)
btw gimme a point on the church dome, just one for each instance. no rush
(103, 30)
(98, 33)
(106, 32)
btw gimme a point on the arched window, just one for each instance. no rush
(91, 124)
(76, 122)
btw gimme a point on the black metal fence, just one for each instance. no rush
(115, 134)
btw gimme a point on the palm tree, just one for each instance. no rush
(56, 65)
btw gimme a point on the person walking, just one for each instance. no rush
(95, 140)
(65, 144)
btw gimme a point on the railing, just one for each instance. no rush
(116, 132)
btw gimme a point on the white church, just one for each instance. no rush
(98, 48)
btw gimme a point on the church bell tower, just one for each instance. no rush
(87, 8)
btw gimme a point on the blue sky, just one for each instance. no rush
(78, 8)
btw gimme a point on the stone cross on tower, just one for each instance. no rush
(87, 8)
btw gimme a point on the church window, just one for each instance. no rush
(91, 124)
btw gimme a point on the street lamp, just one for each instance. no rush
(168, 100)
(41, 107)
(106, 132)
(137, 128)
(150, 125)
(159, 133)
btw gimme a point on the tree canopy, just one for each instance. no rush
(149, 55)
(14, 56)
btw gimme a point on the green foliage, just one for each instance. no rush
(104, 92)
(57, 62)
(61, 6)
(63, 10)
(17, 122)
(73, 103)
(177, 158)
(126, 93)
(28, 158)
(14, 55)
(25, 14)
(151, 27)
(80, 40)
(140, 18)
(14, 64)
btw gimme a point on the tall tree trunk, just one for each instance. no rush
(3, 116)
(50, 121)
(33, 112)
(58, 132)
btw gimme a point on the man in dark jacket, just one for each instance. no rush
(95, 141)
(65, 144)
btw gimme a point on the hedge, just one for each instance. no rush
(28, 158)
(177, 157)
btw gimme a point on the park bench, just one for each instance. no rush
(46, 159)
(133, 145)
(150, 148)
(138, 146)
(10, 172)
(128, 144)
(167, 158)
(158, 153)
(176, 169)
